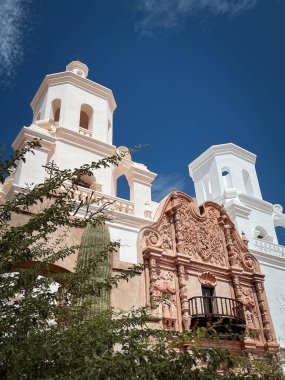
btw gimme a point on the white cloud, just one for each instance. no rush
(13, 23)
(171, 14)
(164, 184)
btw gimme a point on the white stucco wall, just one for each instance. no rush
(128, 241)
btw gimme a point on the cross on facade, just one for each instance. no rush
(50, 168)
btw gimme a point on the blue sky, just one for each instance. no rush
(186, 74)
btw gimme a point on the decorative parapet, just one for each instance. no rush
(99, 199)
(269, 248)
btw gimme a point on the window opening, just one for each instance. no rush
(207, 294)
(84, 120)
(247, 182)
(123, 188)
(86, 113)
(56, 104)
(227, 179)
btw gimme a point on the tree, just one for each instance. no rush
(57, 325)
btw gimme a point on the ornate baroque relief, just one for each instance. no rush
(187, 241)
(164, 292)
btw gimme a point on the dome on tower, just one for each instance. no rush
(78, 68)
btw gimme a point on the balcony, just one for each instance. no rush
(226, 315)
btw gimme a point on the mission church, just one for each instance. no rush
(212, 258)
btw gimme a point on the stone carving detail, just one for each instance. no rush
(232, 246)
(165, 232)
(216, 251)
(186, 232)
(251, 315)
(164, 291)
(186, 319)
(199, 239)
(249, 262)
(152, 279)
(208, 279)
(263, 311)
(152, 238)
(237, 288)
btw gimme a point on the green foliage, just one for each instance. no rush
(58, 325)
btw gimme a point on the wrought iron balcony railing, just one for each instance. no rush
(218, 307)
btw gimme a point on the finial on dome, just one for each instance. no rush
(78, 68)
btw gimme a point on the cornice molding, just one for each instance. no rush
(67, 77)
(141, 175)
(28, 134)
(235, 209)
(85, 142)
(268, 260)
(221, 150)
(255, 203)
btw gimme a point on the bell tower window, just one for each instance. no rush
(227, 179)
(247, 182)
(56, 104)
(86, 115)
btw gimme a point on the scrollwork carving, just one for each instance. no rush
(152, 238)
(165, 233)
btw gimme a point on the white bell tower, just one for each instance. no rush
(226, 174)
(72, 101)
(73, 118)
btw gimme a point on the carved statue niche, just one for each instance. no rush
(251, 315)
(165, 294)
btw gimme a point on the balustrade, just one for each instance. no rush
(216, 307)
(99, 199)
(270, 248)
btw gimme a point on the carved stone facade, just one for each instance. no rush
(200, 269)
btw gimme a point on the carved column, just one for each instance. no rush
(230, 245)
(152, 279)
(268, 334)
(186, 319)
(237, 288)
